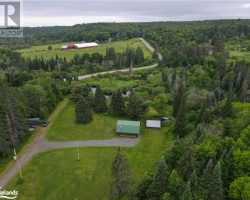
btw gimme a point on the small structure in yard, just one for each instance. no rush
(153, 124)
(79, 46)
(128, 128)
(34, 122)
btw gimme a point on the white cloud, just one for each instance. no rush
(246, 5)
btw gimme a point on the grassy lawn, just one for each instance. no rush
(64, 127)
(42, 51)
(240, 55)
(56, 174)
(110, 85)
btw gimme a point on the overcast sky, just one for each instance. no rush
(65, 12)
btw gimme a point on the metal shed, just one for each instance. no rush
(153, 124)
(128, 128)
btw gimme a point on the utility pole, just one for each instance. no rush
(78, 156)
(16, 158)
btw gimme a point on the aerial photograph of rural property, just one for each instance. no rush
(125, 100)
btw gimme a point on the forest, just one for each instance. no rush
(206, 87)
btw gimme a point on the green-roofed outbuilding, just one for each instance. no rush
(128, 128)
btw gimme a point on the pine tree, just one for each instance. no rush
(117, 105)
(187, 195)
(207, 117)
(83, 111)
(99, 103)
(164, 79)
(180, 123)
(131, 70)
(186, 163)
(175, 185)
(122, 181)
(193, 181)
(201, 113)
(206, 180)
(136, 107)
(227, 109)
(217, 186)
(159, 184)
(178, 99)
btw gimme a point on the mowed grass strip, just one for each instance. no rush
(42, 51)
(57, 174)
(111, 84)
(239, 55)
(65, 128)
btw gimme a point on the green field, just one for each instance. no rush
(56, 174)
(64, 127)
(239, 55)
(42, 51)
(110, 85)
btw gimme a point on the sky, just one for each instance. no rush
(65, 12)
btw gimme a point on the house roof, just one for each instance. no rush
(128, 123)
(153, 124)
(85, 45)
(131, 127)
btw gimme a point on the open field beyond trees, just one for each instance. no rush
(42, 51)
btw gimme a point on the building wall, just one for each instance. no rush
(128, 129)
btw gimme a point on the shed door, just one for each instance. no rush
(120, 129)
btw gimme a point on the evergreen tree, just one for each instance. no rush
(180, 123)
(217, 186)
(122, 182)
(178, 99)
(99, 104)
(175, 185)
(164, 79)
(159, 184)
(206, 180)
(136, 107)
(144, 186)
(193, 181)
(187, 195)
(201, 113)
(83, 111)
(186, 163)
(227, 109)
(207, 117)
(117, 105)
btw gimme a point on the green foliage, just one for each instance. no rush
(217, 187)
(136, 107)
(117, 105)
(187, 195)
(227, 109)
(175, 185)
(177, 100)
(180, 123)
(122, 182)
(83, 111)
(159, 184)
(186, 163)
(160, 103)
(208, 147)
(239, 188)
(99, 103)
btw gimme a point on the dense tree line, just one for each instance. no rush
(170, 32)
(135, 107)
(24, 94)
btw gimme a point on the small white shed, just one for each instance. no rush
(153, 124)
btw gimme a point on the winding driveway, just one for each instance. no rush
(39, 144)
